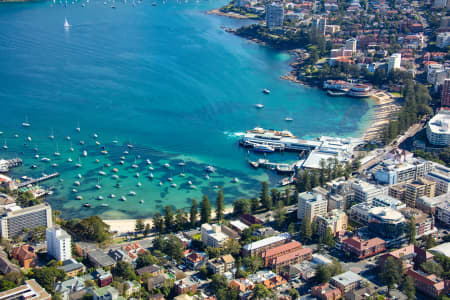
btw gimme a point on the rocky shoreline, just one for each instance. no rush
(232, 15)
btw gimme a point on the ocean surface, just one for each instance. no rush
(166, 79)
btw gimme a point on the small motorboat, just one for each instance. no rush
(105, 204)
(134, 166)
(148, 162)
(79, 176)
(87, 205)
(82, 142)
(141, 201)
(139, 184)
(137, 175)
(235, 180)
(69, 160)
(95, 136)
(150, 168)
(112, 196)
(115, 176)
(77, 183)
(104, 152)
(36, 156)
(170, 179)
(210, 169)
(266, 91)
(99, 198)
(259, 106)
(54, 165)
(74, 191)
(45, 159)
(102, 173)
(68, 138)
(121, 162)
(79, 198)
(130, 146)
(123, 198)
(207, 176)
(150, 175)
(115, 170)
(288, 119)
(33, 167)
(182, 175)
(166, 165)
(126, 152)
(160, 183)
(132, 193)
(174, 185)
(84, 153)
(97, 143)
(98, 186)
(78, 165)
(122, 157)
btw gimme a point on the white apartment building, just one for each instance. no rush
(365, 192)
(274, 15)
(394, 62)
(387, 201)
(59, 243)
(443, 212)
(441, 175)
(350, 44)
(443, 40)
(14, 219)
(311, 205)
(212, 235)
(438, 131)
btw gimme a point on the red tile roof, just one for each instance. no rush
(282, 248)
(357, 243)
(292, 255)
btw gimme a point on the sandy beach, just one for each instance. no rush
(128, 225)
(386, 107)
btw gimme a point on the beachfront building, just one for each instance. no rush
(394, 62)
(310, 205)
(15, 219)
(438, 131)
(59, 243)
(258, 247)
(212, 235)
(274, 15)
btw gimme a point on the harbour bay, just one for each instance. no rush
(166, 79)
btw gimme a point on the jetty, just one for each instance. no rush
(37, 180)
(281, 168)
(5, 164)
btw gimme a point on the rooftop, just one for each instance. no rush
(440, 123)
(267, 241)
(346, 278)
(443, 249)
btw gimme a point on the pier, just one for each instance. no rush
(36, 180)
(5, 165)
(279, 167)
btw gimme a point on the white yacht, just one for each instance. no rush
(166, 165)
(174, 185)
(259, 105)
(99, 198)
(84, 153)
(66, 23)
(68, 138)
(45, 159)
(69, 160)
(123, 198)
(26, 123)
(102, 173)
(148, 162)
(150, 175)
(132, 193)
(78, 127)
(235, 180)
(95, 136)
(52, 135)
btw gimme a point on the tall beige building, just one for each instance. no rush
(417, 189)
(336, 220)
(311, 205)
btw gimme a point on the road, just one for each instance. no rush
(378, 157)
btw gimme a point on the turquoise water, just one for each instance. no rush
(164, 78)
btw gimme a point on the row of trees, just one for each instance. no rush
(391, 275)
(416, 105)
